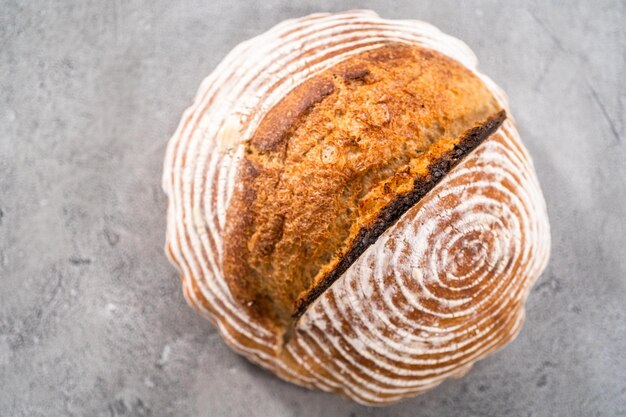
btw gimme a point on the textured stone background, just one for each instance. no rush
(92, 320)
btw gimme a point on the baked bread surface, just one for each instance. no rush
(321, 164)
(362, 220)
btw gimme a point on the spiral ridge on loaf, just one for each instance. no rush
(438, 290)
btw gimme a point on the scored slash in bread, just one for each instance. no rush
(350, 203)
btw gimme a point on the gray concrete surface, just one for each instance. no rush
(92, 320)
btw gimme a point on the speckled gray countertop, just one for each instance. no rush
(92, 319)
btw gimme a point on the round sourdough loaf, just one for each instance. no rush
(351, 205)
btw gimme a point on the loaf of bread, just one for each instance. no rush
(351, 205)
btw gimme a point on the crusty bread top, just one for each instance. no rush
(442, 286)
(332, 156)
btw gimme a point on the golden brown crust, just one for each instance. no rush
(272, 133)
(330, 157)
(281, 200)
(396, 204)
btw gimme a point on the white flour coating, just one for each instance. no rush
(438, 290)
